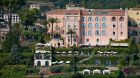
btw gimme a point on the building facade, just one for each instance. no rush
(134, 24)
(15, 18)
(34, 6)
(91, 26)
(42, 56)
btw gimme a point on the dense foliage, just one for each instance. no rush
(96, 3)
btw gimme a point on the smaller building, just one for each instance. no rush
(15, 18)
(42, 56)
(4, 29)
(134, 33)
(34, 6)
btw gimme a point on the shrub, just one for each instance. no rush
(56, 69)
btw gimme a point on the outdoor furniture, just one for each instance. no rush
(86, 71)
(106, 71)
(61, 62)
(53, 63)
(96, 71)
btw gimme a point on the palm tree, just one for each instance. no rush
(52, 21)
(71, 32)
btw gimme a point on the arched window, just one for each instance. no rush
(89, 18)
(83, 25)
(121, 19)
(46, 63)
(38, 63)
(90, 25)
(83, 18)
(74, 26)
(97, 62)
(69, 26)
(113, 33)
(113, 18)
(97, 25)
(103, 32)
(104, 19)
(97, 33)
(104, 25)
(97, 19)
(90, 32)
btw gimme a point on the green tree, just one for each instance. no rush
(28, 17)
(11, 38)
(71, 32)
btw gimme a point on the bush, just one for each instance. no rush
(56, 69)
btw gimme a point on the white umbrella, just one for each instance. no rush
(114, 52)
(63, 52)
(108, 52)
(101, 52)
(96, 71)
(70, 52)
(61, 62)
(57, 52)
(67, 62)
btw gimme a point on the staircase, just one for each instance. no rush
(81, 61)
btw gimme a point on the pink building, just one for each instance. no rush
(92, 26)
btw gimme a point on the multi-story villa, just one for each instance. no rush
(15, 18)
(42, 56)
(91, 26)
(134, 24)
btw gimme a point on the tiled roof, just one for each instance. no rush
(86, 11)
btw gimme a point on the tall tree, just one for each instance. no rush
(28, 17)
(71, 32)
(52, 21)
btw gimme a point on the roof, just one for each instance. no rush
(89, 11)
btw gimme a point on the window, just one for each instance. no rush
(113, 33)
(137, 13)
(97, 40)
(68, 40)
(83, 18)
(69, 26)
(89, 18)
(83, 33)
(113, 25)
(121, 33)
(113, 18)
(74, 26)
(83, 25)
(74, 40)
(87, 40)
(97, 25)
(90, 32)
(104, 25)
(97, 33)
(121, 19)
(90, 25)
(97, 19)
(104, 19)
(103, 32)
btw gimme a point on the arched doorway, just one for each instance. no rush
(46, 63)
(38, 63)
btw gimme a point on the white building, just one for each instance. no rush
(34, 6)
(42, 56)
(15, 18)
